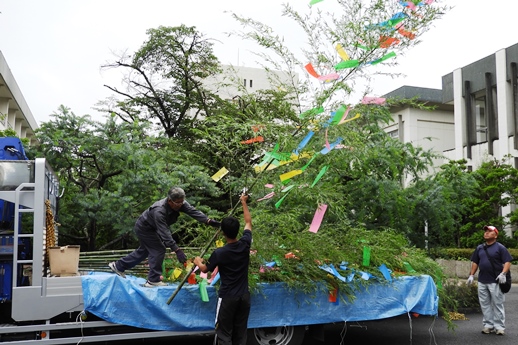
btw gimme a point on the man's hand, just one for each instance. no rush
(180, 255)
(501, 278)
(470, 280)
(198, 261)
(214, 223)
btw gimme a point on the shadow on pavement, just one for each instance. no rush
(425, 330)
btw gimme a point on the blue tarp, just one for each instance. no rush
(125, 301)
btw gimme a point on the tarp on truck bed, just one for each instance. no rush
(125, 301)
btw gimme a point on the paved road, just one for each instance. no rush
(423, 330)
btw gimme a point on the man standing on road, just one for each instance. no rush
(491, 298)
(232, 261)
(152, 230)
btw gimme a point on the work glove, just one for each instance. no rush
(470, 280)
(501, 278)
(180, 255)
(214, 223)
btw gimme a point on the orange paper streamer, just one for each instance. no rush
(258, 139)
(311, 70)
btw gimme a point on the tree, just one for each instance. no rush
(497, 189)
(110, 173)
(164, 82)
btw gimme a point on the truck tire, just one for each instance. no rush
(287, 335)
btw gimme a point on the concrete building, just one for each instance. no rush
(477, 114)
(485, 99)
(430, 129)
(238, 80)
(14, 111)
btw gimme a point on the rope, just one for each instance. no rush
(50, 230)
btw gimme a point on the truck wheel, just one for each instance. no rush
(287, 335)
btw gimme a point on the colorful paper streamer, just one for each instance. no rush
(220, 174)
(319, 176)
(317, 218)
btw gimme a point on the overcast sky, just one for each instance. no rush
(55, 48)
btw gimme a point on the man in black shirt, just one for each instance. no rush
(152, 230)
(232, 261)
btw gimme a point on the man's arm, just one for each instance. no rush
(199, 262)
(198, 215)
(474, 268)
(246, 212)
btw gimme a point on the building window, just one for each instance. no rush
(480, 119)
(250, 82)
(394, 134)
(244, 82)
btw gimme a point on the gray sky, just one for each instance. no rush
(55, 47)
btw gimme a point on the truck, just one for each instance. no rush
(41, 307)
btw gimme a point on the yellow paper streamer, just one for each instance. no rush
(341, 51)
(352, 118)
(219, 175)
(290, 174)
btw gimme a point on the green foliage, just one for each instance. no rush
(460, 296)
(165, 79)
(112, 172)
(497, 184)
(463, 253)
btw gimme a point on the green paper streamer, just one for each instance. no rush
(312, 2)
(408, 268)
(366, 256)
(287, 189)
(383, 58)
(319, 176)
(439, 280)
(312, 112)
(203, 290)
(346, 64)
(311, 160)
(278, 203)
(339, 113)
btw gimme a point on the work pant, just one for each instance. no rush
(151, 247)
(232, 320)
(492, 300)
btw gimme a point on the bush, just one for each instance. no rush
(462, 253)
(460, 297)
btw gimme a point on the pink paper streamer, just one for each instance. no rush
(317, 218)
(373, 100)
(330, 76)
(345, 115)
(267, 196)
(327, 142)
(203, 275)
(213, 275)
(269, 185)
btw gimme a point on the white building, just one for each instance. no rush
(480, 102)
(14, 111)
(430, 129)
(238, 80)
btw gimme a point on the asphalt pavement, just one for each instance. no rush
(425, 330)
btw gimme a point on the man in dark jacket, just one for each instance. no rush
(152, 230)
(232, 261)
(493, 261)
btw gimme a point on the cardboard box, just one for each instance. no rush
(64, 261)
